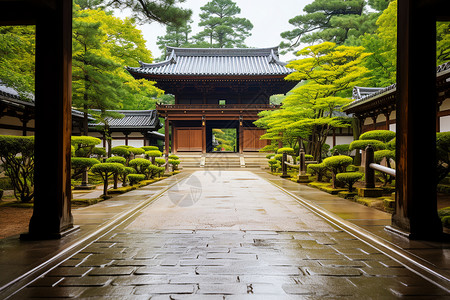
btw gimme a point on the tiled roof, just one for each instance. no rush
(11, 93)
(365, 94)
(134, 119)
(216, 62)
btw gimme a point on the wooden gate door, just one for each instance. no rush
(188, 139)
(252, 141)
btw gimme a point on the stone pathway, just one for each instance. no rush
(229, 235)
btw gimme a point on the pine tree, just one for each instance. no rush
(222, 28)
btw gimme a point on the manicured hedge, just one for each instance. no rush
(106, 170)
(362, 144)
(173, 156)
(117, 159)
(139, 164)
(286, 150)
(136, 151)
(153, 153)
(99, 151)
(342, 149)
(120, 151)
(84, 145)
(349, 179)
(149, 148)
(380, 154)
(379, 135)
(83, 162)
(174, 163)
(337, 164)
(135, 178)
(160, 161)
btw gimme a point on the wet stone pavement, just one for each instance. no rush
(255, 243)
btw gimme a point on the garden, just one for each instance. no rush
(126, 169)
(337, 171)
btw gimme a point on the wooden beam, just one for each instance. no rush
(52, 185)
(416, 204)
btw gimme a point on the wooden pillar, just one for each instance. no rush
(166, 137)
(334, 137)
(126, 138)
(203, 134)
(374, 120)
(52, 211)
(387, 115)
(416, 208)
(241, 134)
(24, 120)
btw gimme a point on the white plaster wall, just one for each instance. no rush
(393, 115)
(117, 143)
(392, 127)
(11, 121)
(136, 134)
(368, 121)
(381, 118)
(136, 143)
(10, 132)
(445, 105)
(444, 123)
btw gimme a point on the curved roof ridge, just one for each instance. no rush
(223, 51)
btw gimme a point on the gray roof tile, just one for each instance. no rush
(134, 119)
(217, 62)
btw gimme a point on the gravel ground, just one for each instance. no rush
(14, 220)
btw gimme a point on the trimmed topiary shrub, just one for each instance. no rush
(99, 152)
(349, 179)
(391, 144)
(317, 169)
(149, 148)
(173, 156)
(84, 145)
(152, 154)
(269, 156)
(139, 164)
(117, 159)
(379, 135)
(123, 175)
(106, 170)
(135, 178)
(136, 151)
(309, 157)
(286, 150)
(121, 151)
(274, 164)
(82, 164)
(174, 163)
(159, 161)
(337, 164)
(278, 157)
(343, 149)
(378, 157)
(17, 156)
(362, 145)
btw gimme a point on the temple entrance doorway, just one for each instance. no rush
(222, 136)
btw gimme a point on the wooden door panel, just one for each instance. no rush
(252, 140)
(189, 139)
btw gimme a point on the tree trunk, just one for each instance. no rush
(115, 180)
(105, 187)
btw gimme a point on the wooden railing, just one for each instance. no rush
(216, 106)
(370, 167)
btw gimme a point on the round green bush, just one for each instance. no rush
(72, 150)
(379, 135)
(174, 163)
(273, 161)
(362, 144)
(338, 161)
(139, 164)
(380, 154)
(349, 179)
(99, 151)
(136, 151)
(391, 144)
(116, 159)
(309, 157)
(120, 151)
(149, 148)
(153, 153)
(84, 145)
(135, 178)
(152, 170)
(128, 170)
(269, 156)
(342, 149)
(173, 156)
(286, 150)
(444, 212)
(278, 157)
(317, 169)
(83, 162)
(160, 161)
(107, 168)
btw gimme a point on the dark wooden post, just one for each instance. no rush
(284, 166)
(241, 134)
(203, 134)
(416, 208)
(369, 173)
(52, 211)
(166, 137)
(302, 165)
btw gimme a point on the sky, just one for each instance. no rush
(269, 19)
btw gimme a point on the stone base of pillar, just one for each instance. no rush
(85, 187)
(370, 192)
(48, 236)
(303, 179)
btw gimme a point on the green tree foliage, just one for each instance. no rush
(102, 46)
(362, 144)
(222, 28)
(349, 179)
(317, 169)
(443, 42)
(379, 135)
(82, 164)
(17, 157)
(225, 139)
(333, 21)
(309, 111)
(161, 11)
(84, 145)
(443, 154)
(106, 170)
(176, 36)
(337, 164)
(17, 50)
(135, 178)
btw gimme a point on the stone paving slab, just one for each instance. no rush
(170, 256)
